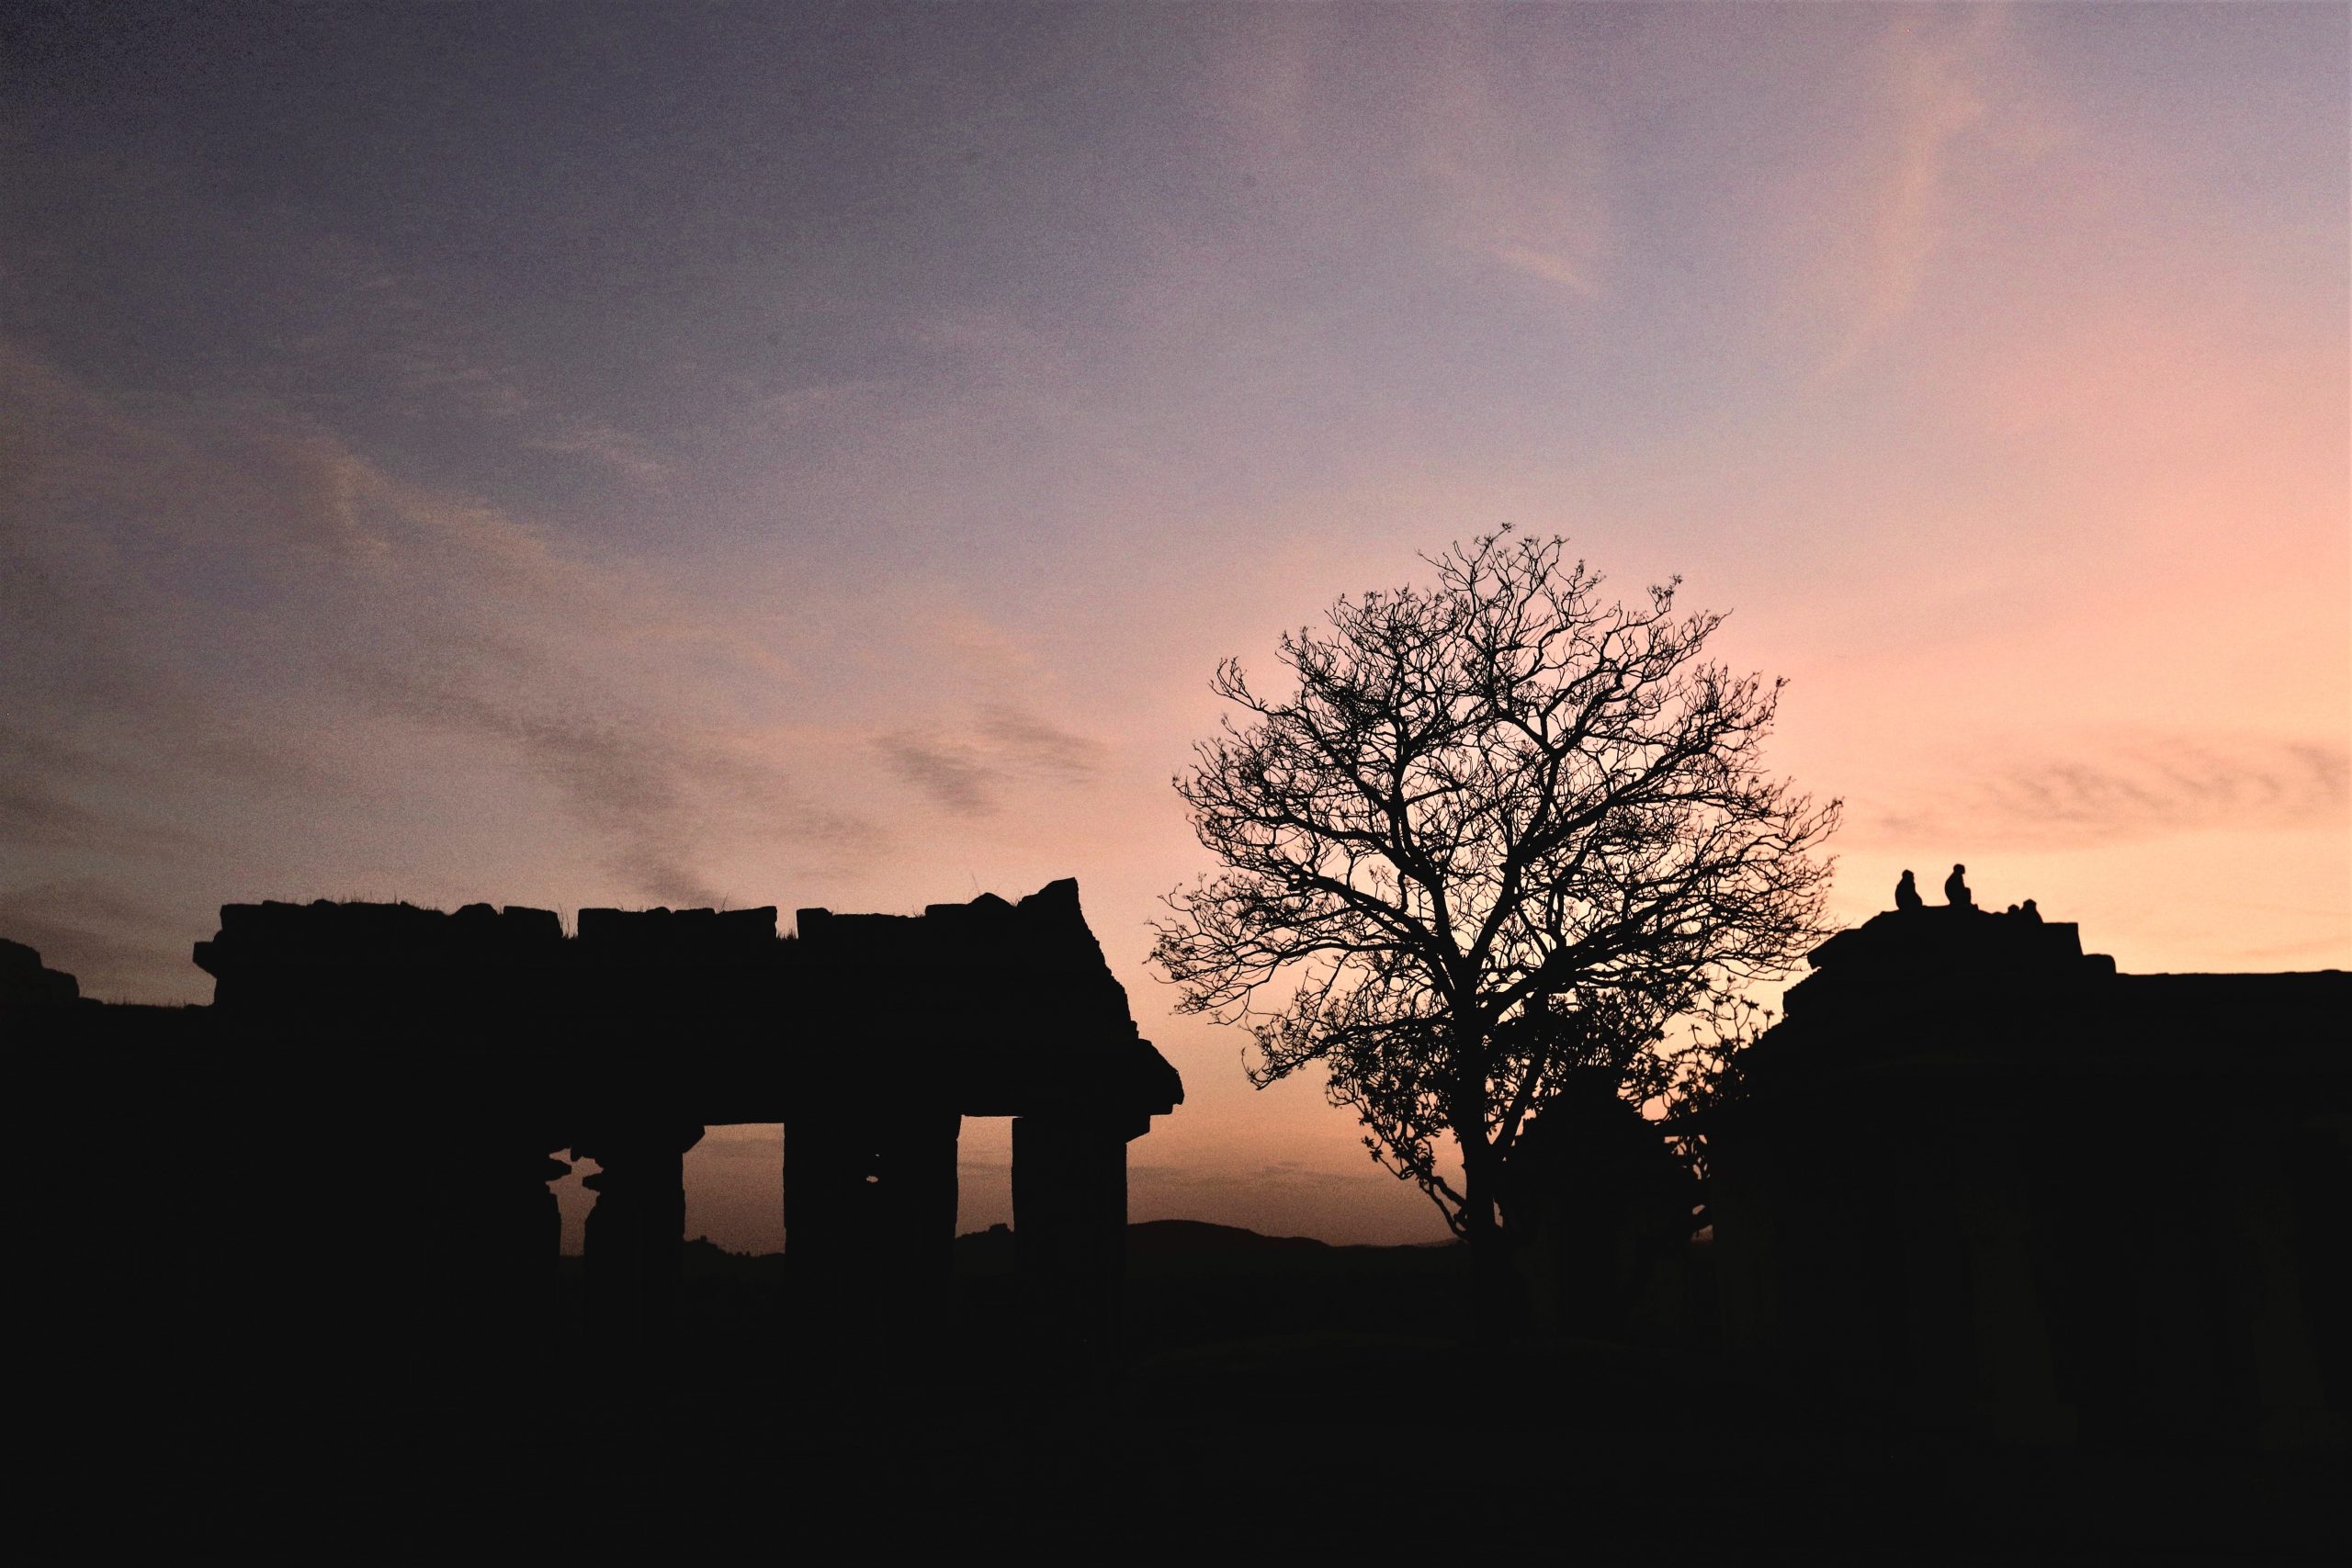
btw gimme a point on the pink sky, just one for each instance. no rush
(828, 472)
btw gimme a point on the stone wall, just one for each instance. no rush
(1983, 1177)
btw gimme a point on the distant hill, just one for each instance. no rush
(1153, 1246)
(1156, 1246)
(1198, 1239)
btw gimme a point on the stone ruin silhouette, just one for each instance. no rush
(361, 1128)
(1976, 1174)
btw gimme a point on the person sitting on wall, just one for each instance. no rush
(2029, 912)
(1956, 892)
(1906, 895)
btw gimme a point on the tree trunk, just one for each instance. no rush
(1494, 1284)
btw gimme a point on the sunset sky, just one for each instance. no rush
(568, 455)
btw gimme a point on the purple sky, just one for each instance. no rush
(569, 455)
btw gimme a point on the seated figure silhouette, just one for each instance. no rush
(1956, 892)
(2029, 911)
(1906, 894)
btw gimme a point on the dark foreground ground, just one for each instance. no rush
(1265, 1396)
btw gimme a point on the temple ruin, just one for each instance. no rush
(373, 1106)
(1977, 1175)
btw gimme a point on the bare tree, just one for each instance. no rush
(1497, 838)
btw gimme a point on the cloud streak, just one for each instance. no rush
(1932, 99)
(967, 771)
(112, 938)
(2145, 790)
(232, 605)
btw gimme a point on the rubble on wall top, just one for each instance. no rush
(1045, 935)
(324, 931)
(1052, 907)
(1957, 949)
(707, 931)
(25, 982)
(1946, 934)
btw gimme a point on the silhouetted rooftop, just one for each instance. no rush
(1960, 982)
(1000, 1006)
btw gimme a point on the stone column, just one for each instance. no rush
(634, 1233)
(456, 1306)
(1069, 1228)
(825, 1168)
(2015, 1394)
(869, 1204)
(2271, 1314)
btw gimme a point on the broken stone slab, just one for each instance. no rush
(25, 983)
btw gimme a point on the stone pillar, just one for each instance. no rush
(2015, 1395)
(480, 1224)
(1069, 1228)
(869, 1215)
(634, 1233)
(916, 1204)
(1740, 1190)
(826, 1166)
(2284, 1385)
(453, 1302)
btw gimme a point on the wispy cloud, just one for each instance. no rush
(627, 455)
(965, 772)
(1518, 181)
(2141, 790)
(235, 605)
(950, 773)
(1029, 744)
(1934, 96)
(650, 795)
(1545, 265)
(111, 937)
(35, 813)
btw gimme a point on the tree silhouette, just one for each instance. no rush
(1496, 840)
